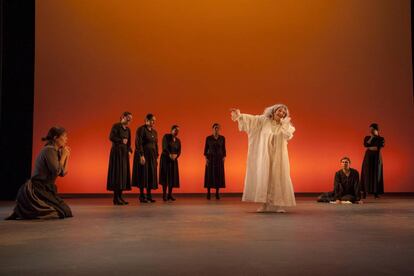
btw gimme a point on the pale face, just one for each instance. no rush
(126, 120)
(216, 130)
(373, 131)
(345, 164)
(62, 140)
(175, 131)
(280, 113)
(151, 122)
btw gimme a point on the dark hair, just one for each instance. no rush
(149, 116)
(174, 127)
(215, 125)
(346, 158)
(53, 132)
(374, 126)
(126, 113)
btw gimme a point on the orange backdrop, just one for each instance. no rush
(338, 65)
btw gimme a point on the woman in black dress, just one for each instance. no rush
(144, 173)
(215, 154)
(171, 150)
(119, 174)
(372, 180)
(37, 198)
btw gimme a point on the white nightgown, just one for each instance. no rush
(268, 171)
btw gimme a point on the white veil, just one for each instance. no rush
(268, 112)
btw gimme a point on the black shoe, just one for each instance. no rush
(170, 197)
(117, 202)
(376, 196)
(150, 200)
(217, 196)
(208, 196)
(143, 200)
(124, 202)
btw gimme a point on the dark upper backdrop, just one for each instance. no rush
(338, 65)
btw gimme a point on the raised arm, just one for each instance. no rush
(287, 128)
(55, 165)
(247, 122)
(367, 141)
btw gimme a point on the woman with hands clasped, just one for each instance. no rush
(38, 198)
(119, 172)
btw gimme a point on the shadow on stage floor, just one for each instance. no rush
(194, 236)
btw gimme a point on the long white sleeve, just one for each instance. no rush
(247, 122)
(287, 129)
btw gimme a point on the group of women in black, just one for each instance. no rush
(144, 172)
(38, 197)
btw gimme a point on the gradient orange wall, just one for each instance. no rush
(338, 65)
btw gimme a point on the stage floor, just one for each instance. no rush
(193, 236)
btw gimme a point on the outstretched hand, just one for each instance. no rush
(234, 113)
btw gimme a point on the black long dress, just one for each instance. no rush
(372, 180)
(346, 188)
(215, 151)
(169, 174)
(119, 172)
(146, 144)
(37, 198)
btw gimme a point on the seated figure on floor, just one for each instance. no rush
(38, 198)
(346, 185)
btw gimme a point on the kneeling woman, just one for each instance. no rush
(37, 198)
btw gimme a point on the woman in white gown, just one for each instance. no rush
(268, 171)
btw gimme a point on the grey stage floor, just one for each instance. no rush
(194, 236)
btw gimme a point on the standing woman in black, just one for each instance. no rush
(171, 150)
(372, 179)
(144, 173)
(119, 172)
(215, 154)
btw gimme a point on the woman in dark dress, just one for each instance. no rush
(37, 198)
(372, 180)
(171, 150)
(144, 173)
(119, 174)
(346, 185)
(215, 154)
